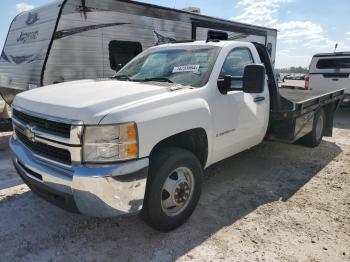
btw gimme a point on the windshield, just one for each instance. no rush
(186, 65)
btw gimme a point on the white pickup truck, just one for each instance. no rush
(141, 140)
(330, 71)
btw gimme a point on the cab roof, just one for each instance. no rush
(222, 43)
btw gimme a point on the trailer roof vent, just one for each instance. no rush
(192, 9)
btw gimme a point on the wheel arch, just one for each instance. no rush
(194, 140)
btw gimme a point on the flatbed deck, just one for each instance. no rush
(301, 96)
(300, 102)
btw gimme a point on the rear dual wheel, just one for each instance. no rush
(173, 190)
(314, 138)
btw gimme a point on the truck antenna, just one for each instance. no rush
(335, 47)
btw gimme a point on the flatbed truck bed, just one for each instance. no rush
(293, 110)
(298, 108)
(300, 96)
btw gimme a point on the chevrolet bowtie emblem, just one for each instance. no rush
(28, 132)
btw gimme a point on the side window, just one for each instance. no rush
(121, 52)
(235, 63)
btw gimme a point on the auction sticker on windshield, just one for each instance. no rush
(186, 68)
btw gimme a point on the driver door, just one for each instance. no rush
(243, 117)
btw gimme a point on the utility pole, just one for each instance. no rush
(174, 3)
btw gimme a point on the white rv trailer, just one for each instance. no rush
(83, 39)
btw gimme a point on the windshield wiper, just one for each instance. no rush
(122, 77)
(157, 79)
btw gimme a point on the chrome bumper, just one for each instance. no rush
(105, 191)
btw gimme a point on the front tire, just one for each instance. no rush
(314, 138)
(173, 190)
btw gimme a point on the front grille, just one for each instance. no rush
(47, 151)
(60, 129)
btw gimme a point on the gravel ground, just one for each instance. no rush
(275, 202)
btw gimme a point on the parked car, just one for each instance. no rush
(141, 140)
(331, 71)
(287, 77)
(299, 77)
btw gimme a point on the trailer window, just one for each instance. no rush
(121, 52)
(235, 63)
(333, 63)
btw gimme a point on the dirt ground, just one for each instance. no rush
(275, 202)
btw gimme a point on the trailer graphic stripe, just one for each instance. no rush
(77, 30)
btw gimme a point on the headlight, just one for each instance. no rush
(110, 143)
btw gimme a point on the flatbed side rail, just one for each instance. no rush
(299, 108)
(306, 106)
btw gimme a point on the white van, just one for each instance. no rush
(331, 71)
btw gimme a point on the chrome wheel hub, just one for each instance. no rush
(182, 193)
(177, 191)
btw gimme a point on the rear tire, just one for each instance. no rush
(173, 189)
(314, 138)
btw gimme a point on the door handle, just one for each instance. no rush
(259, 99)
(335, 79)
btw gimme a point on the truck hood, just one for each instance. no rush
(88, 100)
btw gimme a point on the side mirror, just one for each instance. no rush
(254, 79)
(224, 84)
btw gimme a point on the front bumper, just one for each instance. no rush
(98, 191)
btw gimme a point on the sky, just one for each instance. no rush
(305, 27)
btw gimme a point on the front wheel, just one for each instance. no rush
(173, 189)
(314, 138)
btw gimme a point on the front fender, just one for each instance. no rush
(158, 123)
